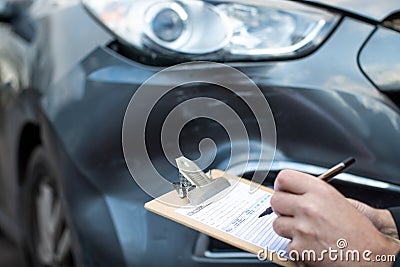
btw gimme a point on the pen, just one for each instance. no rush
(326, 176)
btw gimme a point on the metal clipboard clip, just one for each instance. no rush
(194, 183)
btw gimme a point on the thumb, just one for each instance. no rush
(364, 209)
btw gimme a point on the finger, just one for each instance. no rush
(294, 182)
(352, 201)
(357, 204)
(284, 226)
(285, 204)
(361, 207)
(371, 213)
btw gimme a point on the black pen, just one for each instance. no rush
(326, 176)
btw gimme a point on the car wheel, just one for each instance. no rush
(46, 231)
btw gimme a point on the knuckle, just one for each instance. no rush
(275, 199)
(292, 246)
(284, 177)
(310, 210)
(304, 229)
(277, 226)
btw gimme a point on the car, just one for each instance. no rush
(329, 71)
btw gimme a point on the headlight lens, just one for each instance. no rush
(168, 23)
(216, 29)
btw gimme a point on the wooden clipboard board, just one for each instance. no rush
(159, 207)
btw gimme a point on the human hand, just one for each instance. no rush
(314, 215)
(381, 218)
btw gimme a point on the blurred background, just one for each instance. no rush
(329, 70)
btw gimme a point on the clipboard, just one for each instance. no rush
(160, 207)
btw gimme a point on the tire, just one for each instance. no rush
(46, 232)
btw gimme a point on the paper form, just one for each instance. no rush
(236, 213)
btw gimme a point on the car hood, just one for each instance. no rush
(375, 10)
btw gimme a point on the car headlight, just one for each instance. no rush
(229, 30)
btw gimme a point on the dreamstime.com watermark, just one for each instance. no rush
(340, 253)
